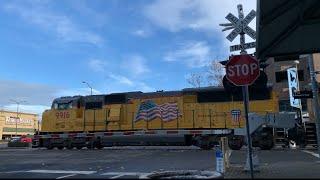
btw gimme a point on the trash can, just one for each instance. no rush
(183, 174)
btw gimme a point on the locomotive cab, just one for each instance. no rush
(63, 110)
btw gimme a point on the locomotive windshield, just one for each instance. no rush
(62, 106)
(65, 103)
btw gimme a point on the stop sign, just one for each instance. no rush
(242, 70)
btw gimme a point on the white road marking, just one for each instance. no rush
(9, 172)
(119, 174)
(62, 172)
(70, 175)
(312, 153)
(116, 177)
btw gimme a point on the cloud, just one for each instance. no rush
(204, 15)
(75, 92)
(144, 87)
(65, 29)
(141, 33)
(96, 18)
(32, 93)
(121, 79)
(168, 14)
(193, 54)
(135, 64)
(38, 97)
(34, 109)
(124, 84)
(97, 65)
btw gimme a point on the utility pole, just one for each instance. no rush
(315, 99)
(84, 82)
(18, 103)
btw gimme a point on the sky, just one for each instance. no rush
(48, 48)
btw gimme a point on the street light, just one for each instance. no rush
(87, 85)
(18, 103)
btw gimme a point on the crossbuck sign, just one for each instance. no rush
(240, 26)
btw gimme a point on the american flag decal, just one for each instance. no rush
(149, 110)
(236, 115)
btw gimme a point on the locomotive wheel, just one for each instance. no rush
(266, 143)
(235, 143)
(99, 145)
(204, 143)
(50, 147)
(69, 146)
(60, 147)
(90, 145)
(206, 147)
(79, 147)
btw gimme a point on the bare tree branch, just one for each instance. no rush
(195, 80)
(215, 73)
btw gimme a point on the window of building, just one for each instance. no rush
(286, 58)
(282, 76)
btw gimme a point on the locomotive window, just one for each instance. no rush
(115, 99)
(213, 96)
(55, 106)
(93, 105)
(222, 96)
(63, 106)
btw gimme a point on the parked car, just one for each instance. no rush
(15, 139)
(26, 139)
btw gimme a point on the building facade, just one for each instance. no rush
(13, 124)
(278, 78)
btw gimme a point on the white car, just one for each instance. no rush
(15, 139)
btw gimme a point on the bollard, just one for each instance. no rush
(255, 162)
(219, 161)
(226, 151)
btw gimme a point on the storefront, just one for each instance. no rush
(13, 124)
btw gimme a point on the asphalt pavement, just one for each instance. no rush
(124, 162)
(133, 162)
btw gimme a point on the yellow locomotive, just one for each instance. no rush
(192, 113)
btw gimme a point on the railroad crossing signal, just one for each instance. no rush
(242, 70)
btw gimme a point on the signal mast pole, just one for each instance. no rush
(240, 26)
(245, 93)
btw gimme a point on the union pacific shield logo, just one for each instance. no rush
(149, 110)
(236, 115)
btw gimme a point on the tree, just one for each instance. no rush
(212, 76)
(195, 79)
(215, 72)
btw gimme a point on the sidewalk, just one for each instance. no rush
(276, 164)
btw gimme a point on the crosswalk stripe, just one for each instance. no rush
(62, 177)
(62, 172)
(123, 174)
(312, 153)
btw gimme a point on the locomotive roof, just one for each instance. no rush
(201, 89)
(139, 94)
(66, 99)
